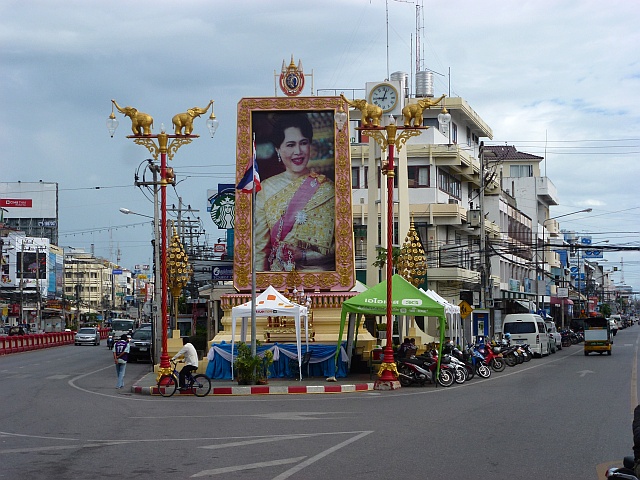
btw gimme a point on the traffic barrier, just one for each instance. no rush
(36, 341)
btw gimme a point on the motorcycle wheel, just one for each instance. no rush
(405, 376)
(483, 370)
(528, 357)
(511, 360)
(460, 376)
(498, 364)
(520, 359)
(469, 370)
(445, 378)
(566, 342)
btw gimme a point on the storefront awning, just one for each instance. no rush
(557, 301)
(528, 305)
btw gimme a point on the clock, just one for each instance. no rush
(385, 96)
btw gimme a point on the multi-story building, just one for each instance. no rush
(95, 285)
(437, 189)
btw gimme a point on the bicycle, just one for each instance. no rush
(199, 385)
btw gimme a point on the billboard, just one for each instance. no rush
(303, 213)
(29, 199)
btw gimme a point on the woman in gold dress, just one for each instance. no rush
(295, 210)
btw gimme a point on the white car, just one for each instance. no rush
(554, 334)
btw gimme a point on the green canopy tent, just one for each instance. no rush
(406, 300)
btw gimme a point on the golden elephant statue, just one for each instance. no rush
(141, 123)
(185, 120)
(414, 111)
(371, 114)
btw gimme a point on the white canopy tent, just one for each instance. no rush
(452, 313)
(271, 303)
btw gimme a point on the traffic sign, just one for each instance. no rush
(465, 309)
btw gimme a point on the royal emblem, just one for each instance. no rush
(292, 78)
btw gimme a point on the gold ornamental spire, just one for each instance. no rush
(412, 262)
(178, 268)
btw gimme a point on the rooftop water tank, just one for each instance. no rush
(424, 84)
(403, 78)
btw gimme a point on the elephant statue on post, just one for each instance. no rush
(185, 120)
(141, 123)
(414, 111)
(371, 114)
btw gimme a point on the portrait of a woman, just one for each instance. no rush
(295, 210)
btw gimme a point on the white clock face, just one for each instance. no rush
(384, 96)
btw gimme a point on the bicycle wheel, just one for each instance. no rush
(201, 385)
(167, 385)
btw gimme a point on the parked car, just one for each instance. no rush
(140, 345)
(528, 328)
(87, 335)
(18, 330)
(554, 334)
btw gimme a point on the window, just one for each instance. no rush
(515, 328)
(521, 171)
(454, 132)
(355, 177)
(418, 176)
(468, 136)
(449, 184)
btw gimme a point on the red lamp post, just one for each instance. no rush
(140, 125)
(390, 137)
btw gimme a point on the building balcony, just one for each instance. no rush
(547, 191)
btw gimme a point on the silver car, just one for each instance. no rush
(88, 335)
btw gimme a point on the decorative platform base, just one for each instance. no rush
(386, 385)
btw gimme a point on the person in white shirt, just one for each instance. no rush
(190, 355)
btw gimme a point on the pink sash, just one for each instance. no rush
(302, 196)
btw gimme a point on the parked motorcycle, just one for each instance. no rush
(493, 356)
(566, 338)
(422, 369)
(625, 472)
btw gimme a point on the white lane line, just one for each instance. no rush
(255, 441)
(249, 466)
(321, 455)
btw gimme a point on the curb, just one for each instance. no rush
(268, 389)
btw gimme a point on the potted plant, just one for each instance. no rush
(263, 370)
(246, 366)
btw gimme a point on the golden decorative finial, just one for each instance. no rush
(412, 262)
(179, 270)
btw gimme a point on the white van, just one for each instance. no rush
(528, 328)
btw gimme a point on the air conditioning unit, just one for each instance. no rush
(453, 201)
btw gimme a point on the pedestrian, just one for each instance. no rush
(635, 427)
(120, 354)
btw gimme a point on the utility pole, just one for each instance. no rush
(483, 246)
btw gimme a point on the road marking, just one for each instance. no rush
(584, 372)
(255, 441)
(57, 377)
(249, 466)
(321, 455)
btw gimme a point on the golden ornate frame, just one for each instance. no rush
(343, 277)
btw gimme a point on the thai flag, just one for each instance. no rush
(251, 178)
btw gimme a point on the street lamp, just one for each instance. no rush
(544, 250)
(389, 137)
(165, 145)
(156, 260)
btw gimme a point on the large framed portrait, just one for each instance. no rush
(301, 234)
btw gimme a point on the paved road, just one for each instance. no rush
(562, 416)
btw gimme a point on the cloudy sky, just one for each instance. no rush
(558, 79)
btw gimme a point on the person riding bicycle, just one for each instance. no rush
(188, 351)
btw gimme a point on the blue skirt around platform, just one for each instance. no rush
(322, 363)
